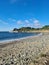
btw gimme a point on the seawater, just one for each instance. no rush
(13, 35)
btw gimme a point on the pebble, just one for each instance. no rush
(25, 53)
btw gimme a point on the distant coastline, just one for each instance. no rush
(31, 29)
(34, 31)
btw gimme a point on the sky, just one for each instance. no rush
(23, 13)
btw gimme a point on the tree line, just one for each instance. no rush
(46, 27)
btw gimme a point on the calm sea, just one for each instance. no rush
(10, 35)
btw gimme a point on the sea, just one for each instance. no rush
(12, 35)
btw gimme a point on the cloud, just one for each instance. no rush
(12, 20)
(36, 23)
(19, 22)
(27, 21)
(3, 22)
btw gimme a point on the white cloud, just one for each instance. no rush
(15, 21)
(29, 25)
(19, 22)
(36, 23)
(27, 21)
(3, 22)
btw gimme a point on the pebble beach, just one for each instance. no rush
(27, 51)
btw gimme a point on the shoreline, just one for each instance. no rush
(19, 39)
(33, 49)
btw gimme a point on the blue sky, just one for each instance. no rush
(23, 13)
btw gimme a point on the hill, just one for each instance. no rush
(25, 29)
